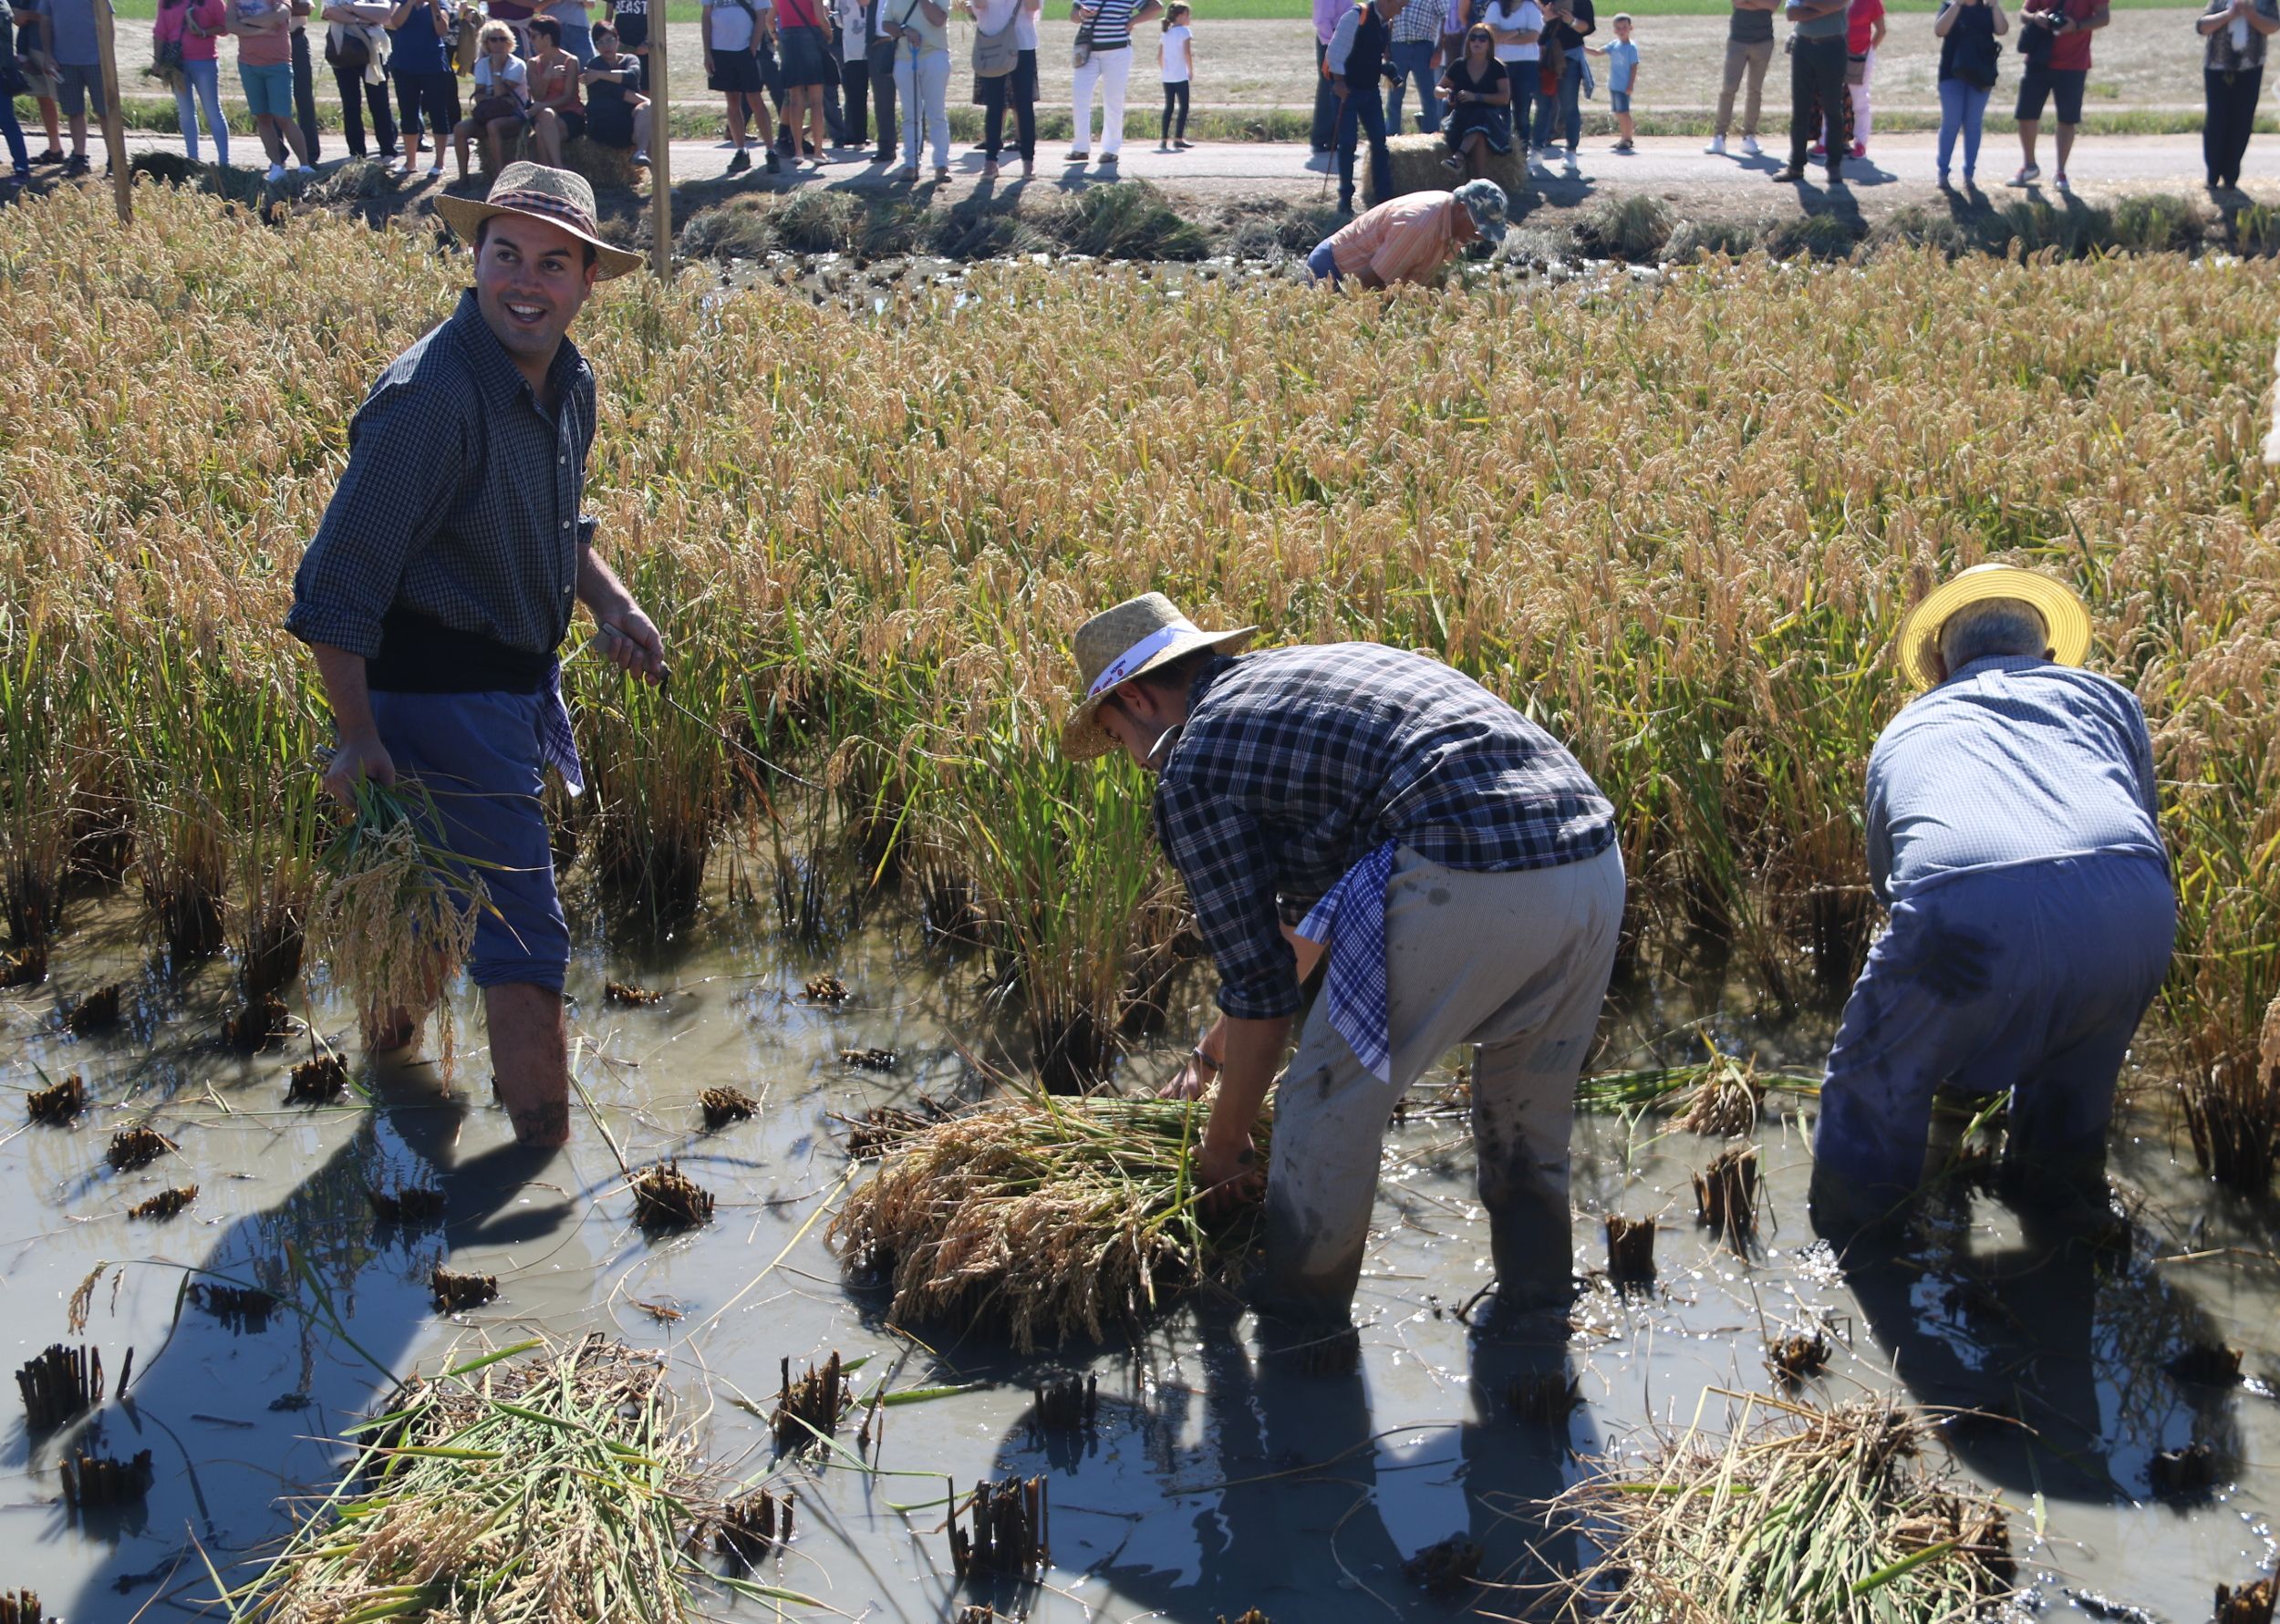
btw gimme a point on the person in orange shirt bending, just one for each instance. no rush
(1410, 238)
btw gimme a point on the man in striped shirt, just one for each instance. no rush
(1104, 30)
(1409, 238)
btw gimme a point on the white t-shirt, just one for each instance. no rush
(732, 24)
(1517, 19)
(1025, 28)
(1176, 58)
(514, 73)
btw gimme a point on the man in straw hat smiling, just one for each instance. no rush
(2014, 831)
(1457, 865)
(442, 580)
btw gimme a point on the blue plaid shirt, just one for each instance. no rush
(461, 501)
(1295, 763)
(2011, 760)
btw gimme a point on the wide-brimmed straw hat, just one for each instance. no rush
(550, 196)
(1117, 644)
(2064, 613)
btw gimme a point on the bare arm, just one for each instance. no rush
(630, 639)
(360, 754)
(1196, 1075)
(1942, 24)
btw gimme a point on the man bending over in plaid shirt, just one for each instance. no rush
(1457, 865)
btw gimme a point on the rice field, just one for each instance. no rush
(1676, 521)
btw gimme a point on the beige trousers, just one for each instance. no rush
(1516, 964)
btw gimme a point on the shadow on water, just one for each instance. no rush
(242, 1411)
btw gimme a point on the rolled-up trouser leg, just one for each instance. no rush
(1511, 961)
(479, 756)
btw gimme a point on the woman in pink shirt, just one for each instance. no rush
(192, 25)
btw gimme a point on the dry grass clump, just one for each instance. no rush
(165, 1203)
(561, 1486)
(722, 1106)
(457, 1293)
(1726, 1194)
(137, 1147)
(60, 1103)
(91, 1481)
(664, 1198)
(97, 1012)
(1798, 1513)
(1050, 1217)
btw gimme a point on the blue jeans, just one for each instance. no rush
(2028, 980)
(578, 40)
(19, 155)
(1961, 106)
(479, 756)
(1362, 114)
(1413, 59)
(205, 79)
(1323, 265)
(1563, 114)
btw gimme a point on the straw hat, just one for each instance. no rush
(2061, 607)
(552, 197)
(1117, 644)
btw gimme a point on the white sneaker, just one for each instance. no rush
(436, 173)
(276, 173)
(403, 166)
(1751, 148)
(1717, 149)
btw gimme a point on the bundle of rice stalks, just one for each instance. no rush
(1629, 1249)
(1711, 1095)
(1049, 1216)
(632, 997)
(664, 1198)
(319, 1080)
(825, 990)
(165, 1203)
(1010, 1536)
(1806, 1514)
(561, 1487)
(136, 1147)
(754, 1527)
(1797, 1354)
(1726, 1194)
(410, 1204)
(2251, 1604)
(60, 1384)
(396, 916)
(95, 1013)
(1723, 1103)
(57, 1103)
(23, 1608)
(456, 1293)
(93, 1481)
(808, 1411)
(1446, 1568)
(722, 1106)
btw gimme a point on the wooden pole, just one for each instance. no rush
(660, 146)
(114, 121)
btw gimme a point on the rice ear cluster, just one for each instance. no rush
(1049, 1217)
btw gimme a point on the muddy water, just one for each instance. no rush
(1216, 1478)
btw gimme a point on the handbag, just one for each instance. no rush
(997, 55)
(346, 49)
(1082, 52)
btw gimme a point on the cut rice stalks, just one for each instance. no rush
(22, 1607)
(317, 1082)
(165, 1203)
(456, 1293)
(411, 1205)
(59, 1103)
(1052, 1217)
(755, 1528)
(1798, 1513)
(664, 1198)
(1445, 1569)
(1011, 1531)
(97, 1012)
(1629, 1249)
(26, 967)
(396, 916)
(91, 1481)
(138, 1146)
(630, 995)
(808, 1411)
(257, 1024)
(1797, 1354)
(60, 1384)
(1726, 1194)
(563, 1486)
(1067, 1405)
(722, 1106)
(2251, 1604)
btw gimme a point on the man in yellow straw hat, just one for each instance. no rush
(442, 580)
(1456, 864)
(2014, 831)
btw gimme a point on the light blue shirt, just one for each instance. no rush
(2011, 760)
(1623, 61)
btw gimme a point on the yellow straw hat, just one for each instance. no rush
(559, 198)
(1117, 644)
(2064, 613)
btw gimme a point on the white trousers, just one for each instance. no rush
(1110, 71)
(924, 88)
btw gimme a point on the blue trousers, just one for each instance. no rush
(1563, 114)
(1411, 59)
(2027, 980)
(1362, 113)
(479, 756)
(1961, 106)
(19, 156)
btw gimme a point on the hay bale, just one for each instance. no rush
(1417, 168)
(606, 167)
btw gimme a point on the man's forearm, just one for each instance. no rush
(1253, 1055)
(345, 691)
(598, 586)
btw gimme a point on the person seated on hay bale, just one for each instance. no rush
(1455, 863)
(617, 114)
(1478, 90)
(442, 580)
(2014, 829)
(1409, 238)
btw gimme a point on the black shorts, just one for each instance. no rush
(2062, 85)
(736, 72)
(805, 56)
(429, 100)
(633, 29)
(573, 122)
(609, 124)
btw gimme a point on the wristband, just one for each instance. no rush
(1201, 1058)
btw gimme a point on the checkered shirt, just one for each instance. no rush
(462, 499)
(1419, 19)
(1294, 763)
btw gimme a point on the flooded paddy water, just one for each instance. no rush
(1217, 1474)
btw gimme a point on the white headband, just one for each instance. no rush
(1133, 659)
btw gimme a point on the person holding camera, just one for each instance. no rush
(1560, 107)
(2234, 32)
(2055, 38)
(1358, 60)
(356, 49)
(1966, 30)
